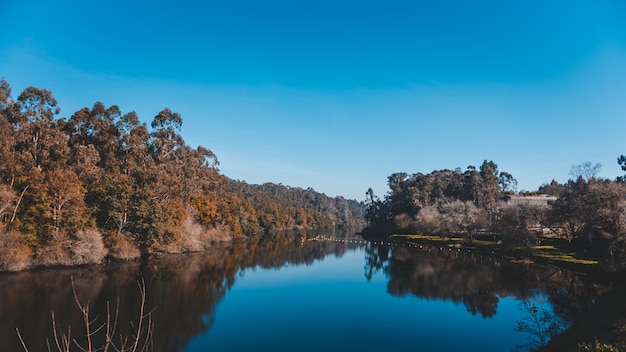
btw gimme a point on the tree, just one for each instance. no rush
(165, 137)
(553, 188)
(593, 214)
(587, 170)
(621, 160)
(454, 187)
(39, 141)
(507, 183)
(205, 209)
(488, 185)
(461, 217)
(194, 170)
(606, 205)
(8, 200)
(429, 220)
(148, 219)
(85, 159)
(5, 95)
(32, 214)
(96, 127)
(401, 198)
(112, 200)
(376, 210)
(471, 184)
(167, 149)
(133, 144)
(8, 165)
(66, 199)
(518, 225)
(35, 105)
(570, 210)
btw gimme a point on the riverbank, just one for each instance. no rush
(551, 251)
(91, 247)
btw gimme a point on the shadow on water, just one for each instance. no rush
(183, 290)
(551, 297)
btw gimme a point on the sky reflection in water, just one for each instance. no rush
(330, 305)
(286, 293)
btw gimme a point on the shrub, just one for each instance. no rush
(94, 330)
(15, 254)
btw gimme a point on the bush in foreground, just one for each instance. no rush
(140, 340)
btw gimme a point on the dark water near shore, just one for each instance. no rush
(287, 292)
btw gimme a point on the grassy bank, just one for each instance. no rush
(552, 251)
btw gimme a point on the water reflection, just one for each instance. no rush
(539, 323)
(183, 290)
(474, 280)
(479, 282)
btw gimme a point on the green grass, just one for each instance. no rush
(557, 251)
(552, 251)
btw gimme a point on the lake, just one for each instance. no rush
(289, 292)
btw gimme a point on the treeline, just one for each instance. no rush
(471, 193)
(587, 211)
(103, 183)
(278, 207)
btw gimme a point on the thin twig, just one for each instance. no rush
(21, 339)
(139, 341)
(18, 203)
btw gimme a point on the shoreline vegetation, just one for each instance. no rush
(547, 251)
(100, 184)
(582, 221)
(579, 226)
(604, 325)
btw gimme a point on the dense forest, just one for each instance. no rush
(587, 211)
(101, 183)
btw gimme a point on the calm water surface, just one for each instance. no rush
(288, 292)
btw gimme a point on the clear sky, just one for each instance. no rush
(337, 95)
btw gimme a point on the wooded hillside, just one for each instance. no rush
(103, 183)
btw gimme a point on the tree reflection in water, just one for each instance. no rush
(479, 282)
(376, 258)
(539, 322)
(183, 290)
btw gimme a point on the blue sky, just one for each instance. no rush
(337, 95)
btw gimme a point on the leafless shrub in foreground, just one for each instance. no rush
(141, 339)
